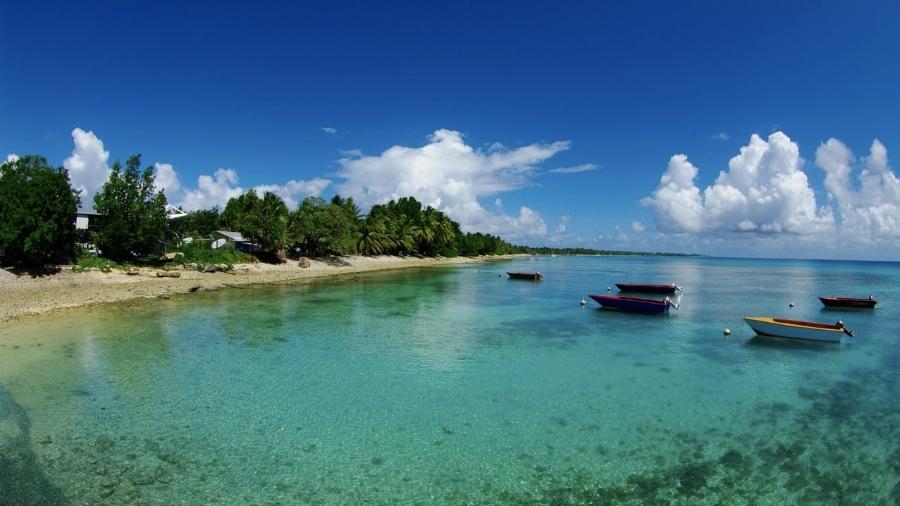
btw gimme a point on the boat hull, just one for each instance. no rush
(848, 302)
(631, 304)
(530, 276)
(791, 329)
(637, 287)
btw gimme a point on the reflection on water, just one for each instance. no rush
(460, 386)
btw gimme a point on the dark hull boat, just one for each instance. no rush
(530, 276)
(848, 302)
(634, 304)
(645, 288)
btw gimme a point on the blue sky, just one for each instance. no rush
(250, 87)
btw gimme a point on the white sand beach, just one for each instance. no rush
(23, 296)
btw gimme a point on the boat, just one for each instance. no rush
(797, 329)
(634, 304)
(645, 288)
(845, 302)
(531, 276)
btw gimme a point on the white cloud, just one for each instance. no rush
(329, 130)
(450, 175)
(870, 212)
(585, 167)
(294, 190)
(12, 157)
(212, 191)
(720, 136)
(498, 203)
(166, 180)
(638, 226)
(218, 189)
(87, 166)
(764, 190)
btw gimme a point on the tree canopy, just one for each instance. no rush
(261, 220)
(37, 212)
(134, 215)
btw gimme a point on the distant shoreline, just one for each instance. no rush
(24, 297)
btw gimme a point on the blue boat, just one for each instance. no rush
(634, 304)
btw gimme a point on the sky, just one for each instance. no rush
(719, 128)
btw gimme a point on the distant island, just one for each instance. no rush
(597, 252)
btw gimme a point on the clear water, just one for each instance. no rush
(458, 385)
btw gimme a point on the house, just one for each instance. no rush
(87, 220)
(234, 239)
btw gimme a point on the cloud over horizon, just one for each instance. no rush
(452, 176)
(870, 209)
(764, 190)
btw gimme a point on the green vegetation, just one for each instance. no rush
(37, 208)
(88, 261)
(199, 223)
(202, 254)
(135, 214)
(263, 221)
(37, 213)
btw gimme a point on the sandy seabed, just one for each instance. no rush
(23, 296)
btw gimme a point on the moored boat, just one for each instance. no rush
(647, 288)
(634, 304)
(845, 302)
(531, 276)
(797, 329)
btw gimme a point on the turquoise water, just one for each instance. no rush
(457, 385)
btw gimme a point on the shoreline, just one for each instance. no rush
(26, 297)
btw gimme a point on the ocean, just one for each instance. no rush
(457, 385)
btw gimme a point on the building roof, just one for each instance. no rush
(173, 212)
(231, 236)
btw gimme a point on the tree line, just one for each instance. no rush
(38, 207)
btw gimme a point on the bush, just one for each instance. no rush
(200, 253)
(89, 261)
(37, 212)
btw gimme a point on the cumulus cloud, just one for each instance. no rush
(216, 190)
(87, 165)
(12, 157)
(584, 167)
(869, 210)
(452, 176)
(638, 226)
(294, 190)
(764, 190)
(166, 180)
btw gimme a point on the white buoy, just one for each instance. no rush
(583, 302)
(608, 288)
(727, 332)
(791, 304)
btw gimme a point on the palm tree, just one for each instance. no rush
(405, 241)
(445, 232)
(373, 238)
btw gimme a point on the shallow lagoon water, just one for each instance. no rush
(458, 385)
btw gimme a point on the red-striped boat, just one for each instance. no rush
(848, 302)
(647, 288)
(634, 304)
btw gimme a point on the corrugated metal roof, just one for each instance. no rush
(231, 236)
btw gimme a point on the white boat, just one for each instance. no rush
(797, 329)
